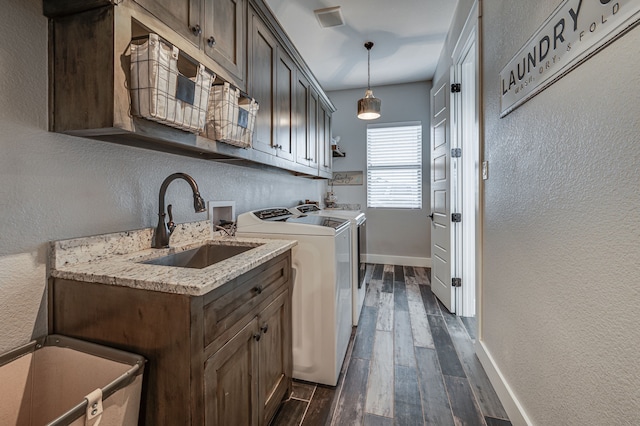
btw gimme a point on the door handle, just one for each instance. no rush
(431, 216)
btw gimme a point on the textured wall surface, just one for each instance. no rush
(390, 232)
(562, 229)
(56, 186)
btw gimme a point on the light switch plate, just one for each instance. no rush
(485, 170)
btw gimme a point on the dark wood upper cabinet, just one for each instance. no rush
(224, 34)
(239, 40)
(314, 107)
(182, 16)
(302, 93)
(285, 130)
(262, 69)
(324, 139)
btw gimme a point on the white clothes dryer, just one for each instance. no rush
(358, 249)
(321, 307)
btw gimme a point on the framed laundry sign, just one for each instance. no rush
(575, 31)
(346, 178)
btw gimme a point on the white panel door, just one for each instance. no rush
(441, 179)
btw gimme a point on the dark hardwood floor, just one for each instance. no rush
(410, 362)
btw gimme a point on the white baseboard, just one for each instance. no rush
(424, 262)
(512, 406)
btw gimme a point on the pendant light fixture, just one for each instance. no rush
(369, 106)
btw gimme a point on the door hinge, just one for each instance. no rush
(456, 152)
(455, 88)
(456, 217)
(456, 282)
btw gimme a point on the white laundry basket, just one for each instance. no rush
(161, 92)
(231, 116)
(58, 381)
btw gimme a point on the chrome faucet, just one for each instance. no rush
(162, 237)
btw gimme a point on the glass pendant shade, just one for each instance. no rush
(369, 106)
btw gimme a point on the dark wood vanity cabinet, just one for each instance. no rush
(250, 370)
(224, 358)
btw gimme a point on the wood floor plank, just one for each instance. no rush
(365, 333)
(302, 390)
(379, 397)
(422, 275)
(409, 272)
(372, 295)
(319, 410)
(435, 402)
(463, 405)
(385, 312)
(387, 279)
(429, 300)
(400, 297)
(408, 407)
(471, 324)
(403, 340)
(373, 420)
(378, 270)
(449, 362)
(398, 274)
(350, 407)
(290, 413)
(419, 323)
(496, 422)
(484, 392)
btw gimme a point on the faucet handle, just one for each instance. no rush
(170, 225)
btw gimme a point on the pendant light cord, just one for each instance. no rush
(368, 45)
(369, 69)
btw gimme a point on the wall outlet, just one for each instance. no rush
(222, 210)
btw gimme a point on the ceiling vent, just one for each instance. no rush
(329, 17)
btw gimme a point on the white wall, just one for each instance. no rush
(457, 23)
(56, 186)
(398, 235)
(562, 229)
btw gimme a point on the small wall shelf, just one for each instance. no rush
(336, 151)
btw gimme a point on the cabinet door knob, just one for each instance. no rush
(211, 41)
(196, 30)
(265, 328)
(258, 289)
(257, 337)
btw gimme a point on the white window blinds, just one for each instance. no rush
(394, 165)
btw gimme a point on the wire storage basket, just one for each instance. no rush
(167, 86)
(231, 116)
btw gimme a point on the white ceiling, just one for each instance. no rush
(408, 36)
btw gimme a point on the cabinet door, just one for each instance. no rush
(301, 123)
(262, 48)
(224, 40)
(275, 355)
(285, 78)
(183, 16)
(324, 139)
(231, 381)
(314, 107)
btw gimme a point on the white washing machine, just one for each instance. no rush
(321, 310)
(358, 247)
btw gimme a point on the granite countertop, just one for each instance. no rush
(114, 259)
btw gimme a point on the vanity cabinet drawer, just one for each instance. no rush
(224, 307)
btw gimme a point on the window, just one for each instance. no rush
(394, 165)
